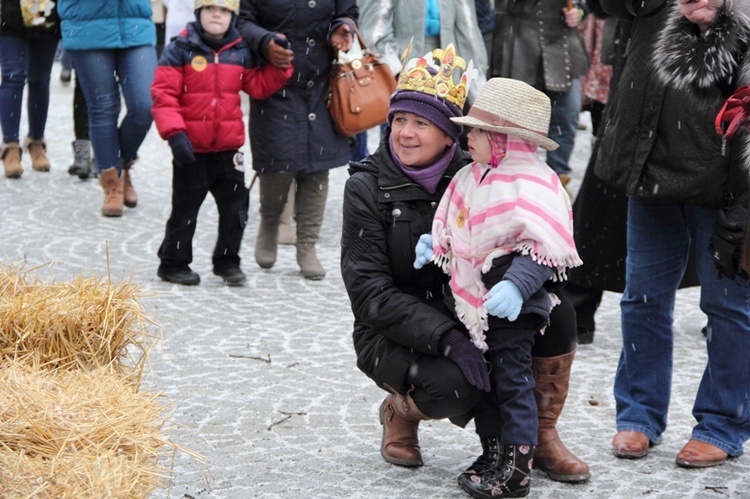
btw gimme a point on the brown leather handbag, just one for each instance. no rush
(360, 92)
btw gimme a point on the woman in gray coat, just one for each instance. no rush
(291, 133)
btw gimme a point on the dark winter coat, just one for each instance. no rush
(197, 90)
(659, 141)
(711, 67)
(292, 130)
(399, 311)
(531, 36)
(12, 23)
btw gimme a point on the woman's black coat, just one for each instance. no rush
(399, 312)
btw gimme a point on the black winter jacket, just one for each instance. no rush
(399, 311)
(659, 141)
(11, 23)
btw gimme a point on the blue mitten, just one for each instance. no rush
(504, 300)
(182, 149)
(423, 251)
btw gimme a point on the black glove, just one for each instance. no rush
(182, 149)
(727, 239)
(467, 357)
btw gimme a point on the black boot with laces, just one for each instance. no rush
(511, 478)
(491, 458)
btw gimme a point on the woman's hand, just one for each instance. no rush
(467, 357)
(278, 55)
(700, 12)
(572, 17)
(341, 39)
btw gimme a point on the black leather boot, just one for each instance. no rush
(512, 478)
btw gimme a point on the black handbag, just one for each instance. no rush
(730, 242)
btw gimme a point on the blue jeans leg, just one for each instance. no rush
(721, 407)
(102, 73)
(658, 243)
(15, 56)
(563, 125)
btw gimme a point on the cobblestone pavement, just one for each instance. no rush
(262, 379)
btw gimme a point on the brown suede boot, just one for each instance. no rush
(37, 152)
(274, 189)
(130, 197)
(400, 418)
(11, 155)
(312, 192)
(113, 186)
(287, 231)
(552, 377)
(565, 180)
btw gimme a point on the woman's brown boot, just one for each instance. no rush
(113, 186)
(38, 153)
(400, 418)
(11, 155)
(552, 376)
(130, 197)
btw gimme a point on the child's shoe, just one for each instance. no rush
(512, 478)
(179, 275)
(232, 276)
(491, 458)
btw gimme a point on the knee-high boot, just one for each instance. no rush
(552, 376)
(400, 418)
(312, 192)
(287, 232)
(274, 188)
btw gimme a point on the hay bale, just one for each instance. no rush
(83, 324)
(78, 434)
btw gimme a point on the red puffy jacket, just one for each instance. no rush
(197, 90)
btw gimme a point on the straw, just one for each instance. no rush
(83, 324)
(78, 434)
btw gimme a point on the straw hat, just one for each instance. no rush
(514, 108)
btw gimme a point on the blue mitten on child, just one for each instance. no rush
(504, 300)
(182, 149)
(423, 251)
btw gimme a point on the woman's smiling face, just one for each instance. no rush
(416, 141)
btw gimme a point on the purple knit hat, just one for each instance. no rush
(434, 109)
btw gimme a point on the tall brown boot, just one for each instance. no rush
(400, 418)
(552, 375)
(113, 186)
(37, 152)
(130, 197)
(11, 155)
(274, 189)
(312, 192)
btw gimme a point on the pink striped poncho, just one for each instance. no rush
(519, 206)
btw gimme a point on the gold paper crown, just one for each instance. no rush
(416, 76)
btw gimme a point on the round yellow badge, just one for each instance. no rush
(199, 63)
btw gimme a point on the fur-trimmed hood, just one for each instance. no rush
(685, 58)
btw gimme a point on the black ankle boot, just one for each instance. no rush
(492, 453)
(511, 478)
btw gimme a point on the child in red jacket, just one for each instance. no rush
(196, 94)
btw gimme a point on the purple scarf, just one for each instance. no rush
(428, 177)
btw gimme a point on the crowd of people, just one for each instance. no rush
(458, 235)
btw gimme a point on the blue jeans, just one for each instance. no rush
(16, 54)
(563, 126)
(101, 74)
(659, 234)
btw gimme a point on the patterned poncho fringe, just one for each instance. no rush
(487, 212)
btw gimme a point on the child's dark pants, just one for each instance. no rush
(214, 173)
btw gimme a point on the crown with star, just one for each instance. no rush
(433, 74)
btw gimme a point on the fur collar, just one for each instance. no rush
(686, 58)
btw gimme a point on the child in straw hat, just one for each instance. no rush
(196, 92)
(504, 232)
